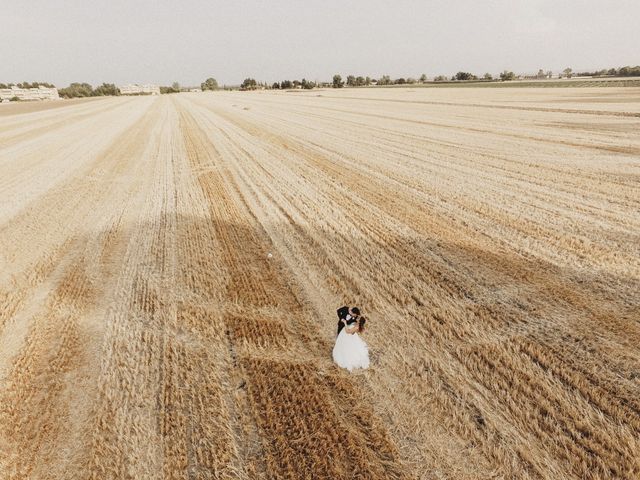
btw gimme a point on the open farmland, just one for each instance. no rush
(491, 237)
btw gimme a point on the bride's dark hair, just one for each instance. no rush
(361, 323)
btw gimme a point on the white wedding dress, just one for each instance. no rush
(350, 351)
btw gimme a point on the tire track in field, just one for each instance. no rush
(307, 419)
(54, 126)
(46, 404)
(615, 148)
(49, 220)
(499, 107)
(575, 294)
(333, 272)
(165, 407)
(447, 323)
(568, 180)
(35, 402)
(391, 294)
(528, 215)
(399, 205)
(519, 219)
(25, 108)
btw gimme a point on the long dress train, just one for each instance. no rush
(350, 351)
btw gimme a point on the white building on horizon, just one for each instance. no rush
(40, 93)
(138, 89)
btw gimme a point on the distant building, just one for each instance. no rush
(195, 90)
(137, 89)
(40, 93)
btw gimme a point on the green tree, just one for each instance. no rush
(106, 89)
(35, 85)
(351, 81)
(487, 76)
(400, 81)
(367, 81)
(275, 86)
(337, 81)
(440, 78)
(209, 84)
(360, 81)
(504, 76)
(629, 71)
(286, 84)
(249, 84)
(568, 72)
(174, 88)
(465, 76)
(385, 80)
(76, 90)
(423, 78)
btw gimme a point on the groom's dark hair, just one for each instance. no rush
(355, 310)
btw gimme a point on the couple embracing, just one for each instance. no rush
(350, 351)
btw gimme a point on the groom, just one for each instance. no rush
(345, 314)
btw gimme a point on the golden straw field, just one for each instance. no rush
(491, 237)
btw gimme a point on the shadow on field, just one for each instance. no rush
(234, 345)
(218, 322)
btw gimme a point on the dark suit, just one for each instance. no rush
(342, 315)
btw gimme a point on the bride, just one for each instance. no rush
(350, 351)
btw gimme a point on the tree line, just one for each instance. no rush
(288, 84)
(75, 90)
(356, 81)
(27, 85)
(353, 81)
(627, 71)
(174, 88)
(81, 90)
(361, 81)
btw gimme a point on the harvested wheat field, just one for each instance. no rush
(491, 237)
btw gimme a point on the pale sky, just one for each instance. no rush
(145, 41)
